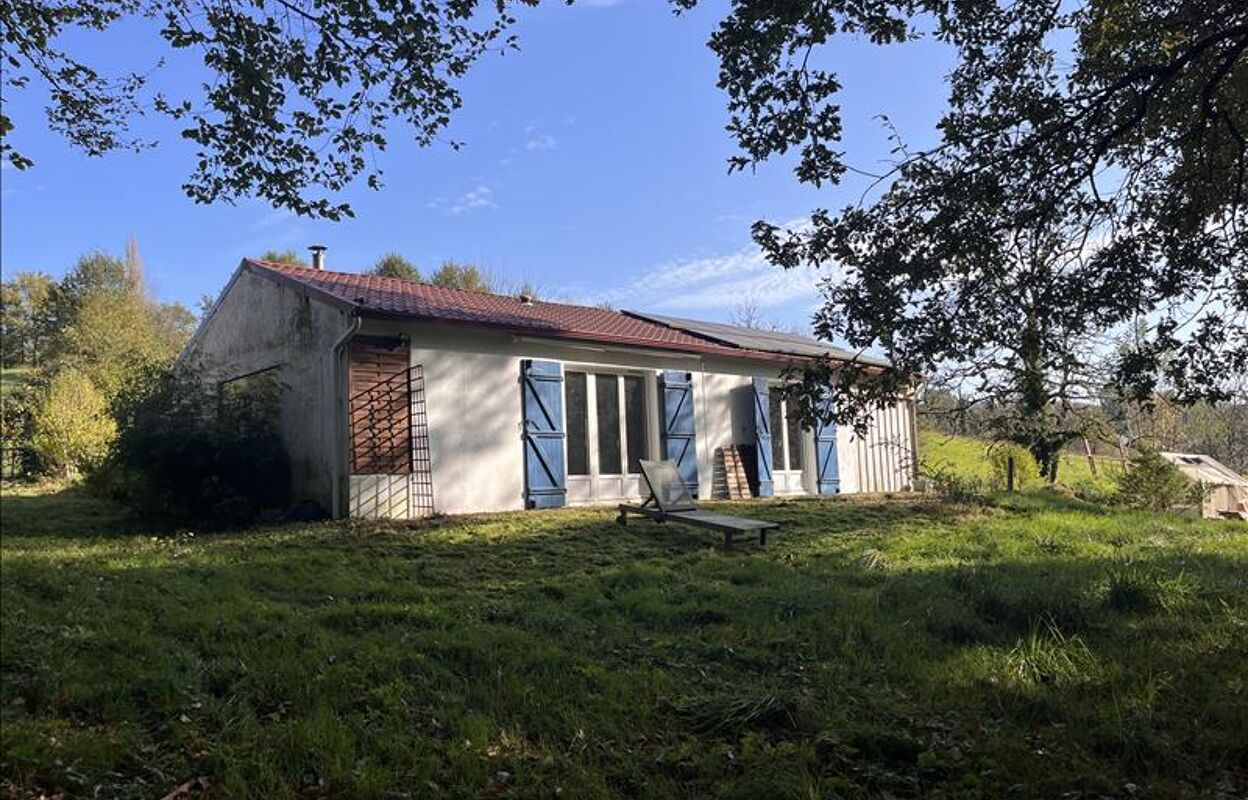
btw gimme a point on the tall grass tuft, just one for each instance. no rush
(1048, 657)
(1131, 589)
(721, 716)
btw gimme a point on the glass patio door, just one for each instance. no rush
(791, 447)
(607, 435)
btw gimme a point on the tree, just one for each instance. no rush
(393, 265)
(748, 314)
(174, 323)
(462, 276)
(107, 328)
(457, 275)
(72, 427)
(1121, 127)
(102, 336)
(297, 95)
(1151, 482)
(291, 257)
(24, 317)
(1011, 322)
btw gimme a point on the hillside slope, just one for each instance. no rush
(969, 457)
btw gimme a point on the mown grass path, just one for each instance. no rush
(904, 647)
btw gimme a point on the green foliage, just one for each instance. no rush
(105, 324)
(19, 397)
(72, 427)
(292, 257)
(1045, 100)
(189, 453)
(23, 318)
(945, 480)
(261, 122)
(1026, 471)
(116, 335)
(98, 332)
(462, 276)
(1151, 482)
(95, 273)
(393, 265)
(516, 654)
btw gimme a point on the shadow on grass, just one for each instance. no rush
(557, 649)
(31, 511)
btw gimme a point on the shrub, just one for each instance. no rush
(945, 481)
(1151, 482)
(1026, 470)
(17, 421)
(72, 428)
(187, 453)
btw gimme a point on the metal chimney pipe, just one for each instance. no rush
(318, 256)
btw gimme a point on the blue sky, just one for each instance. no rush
(594, 166)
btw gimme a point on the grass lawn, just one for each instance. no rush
(1029, 647)
(13, 377)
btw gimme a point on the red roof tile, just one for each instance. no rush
(372, 295)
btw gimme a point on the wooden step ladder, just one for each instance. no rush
(736, 482)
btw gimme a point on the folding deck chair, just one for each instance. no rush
(669, 501)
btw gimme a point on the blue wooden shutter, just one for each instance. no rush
(679, 439)
(762, 436)
(545, 478)
(828, 471)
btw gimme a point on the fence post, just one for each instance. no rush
(1009, 473)
(1087, 449)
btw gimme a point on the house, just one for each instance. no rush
(1225, 490)
(400, 399)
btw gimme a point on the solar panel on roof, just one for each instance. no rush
(768, 341)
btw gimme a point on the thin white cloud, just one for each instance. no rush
(478, 197)
(274, 218)
(715, 284)
(542, 142)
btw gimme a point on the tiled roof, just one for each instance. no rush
(372, 295)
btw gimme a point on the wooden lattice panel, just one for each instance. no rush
(381, 407)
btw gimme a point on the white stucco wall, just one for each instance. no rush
(473, 403)
(473, 398)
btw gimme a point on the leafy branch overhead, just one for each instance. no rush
(1090, 175)
(299, 95)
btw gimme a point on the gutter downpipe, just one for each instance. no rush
(340, 432)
